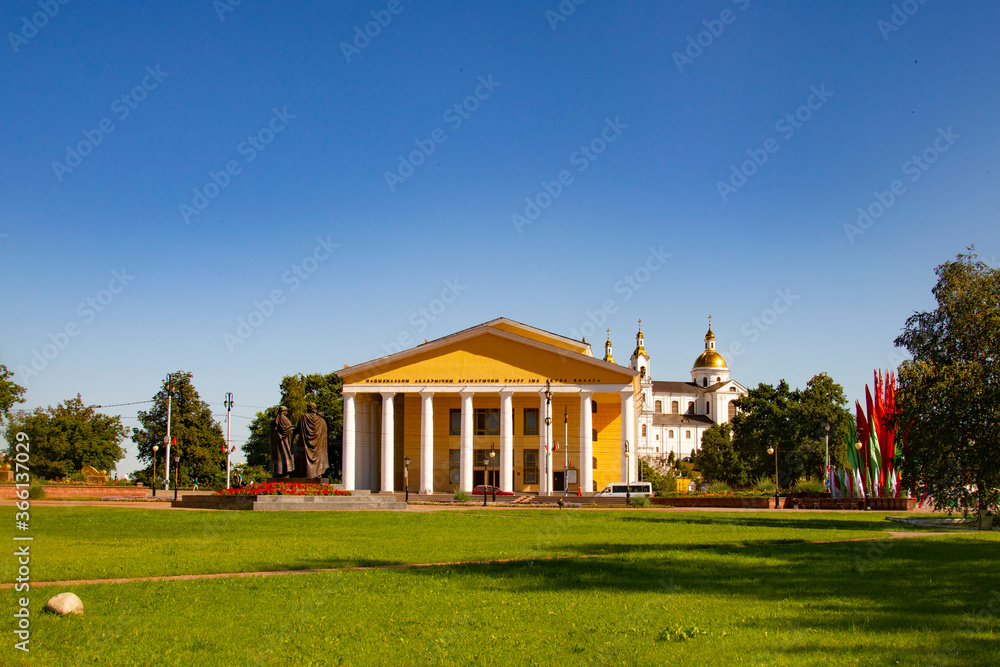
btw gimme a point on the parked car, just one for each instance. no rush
(479, 490)
(620, 490)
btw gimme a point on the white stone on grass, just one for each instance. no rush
(64, 603)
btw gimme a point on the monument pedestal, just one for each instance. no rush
(321, 481)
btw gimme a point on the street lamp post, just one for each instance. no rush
(826, 470)
(177, 465)
(548, 437)
(156, 448)
(773, 449)
(628, 477)
(406, 477)
(493, 485)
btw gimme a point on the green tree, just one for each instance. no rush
(69, 436)
(660, 483)
(796, 421)
(717, 460)
(765, 413)
(949, 392)
(297, 391)
(822, 402)
(11, 393)
(199, 439)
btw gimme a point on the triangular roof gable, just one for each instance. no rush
(540, 335)
(489, 355)
(715, 388)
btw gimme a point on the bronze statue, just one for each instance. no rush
(312, 430)
(282, 456)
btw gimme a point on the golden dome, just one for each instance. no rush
(710, 359)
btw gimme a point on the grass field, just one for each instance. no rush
(631, 588)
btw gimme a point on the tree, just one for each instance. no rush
(822, 402)
(661, 484)
(949, 392)
(717, 459)
(199, 439)
(795, 420)
(297, 391)
(69, 436)
(10, 393)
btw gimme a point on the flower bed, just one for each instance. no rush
(715, 500)
(283, 489)
(725, 494)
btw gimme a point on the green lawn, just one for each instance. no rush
(654, 588)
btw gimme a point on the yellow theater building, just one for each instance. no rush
(554, 416)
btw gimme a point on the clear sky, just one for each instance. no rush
(167, 169)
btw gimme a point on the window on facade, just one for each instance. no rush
(687, 434)
(718, 379)
(454, 462)
(644, 430)
(658, 406)
(708, 407)
(675, 407)
(704, 382)
(657, 436)
(690, 409)
(642, 371)
(454, 422)
(670, 434)
(593, 435)
(732, 410)
(531, 421)
(593, 407)
(486, 421)
(593, 463)
(732, 389)
(530, 467)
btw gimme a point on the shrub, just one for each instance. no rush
(809, 487)
(719, 487)
(765, 484)
(640, 501)
(36, 491)
(462, 496)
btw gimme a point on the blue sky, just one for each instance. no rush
(727, 144)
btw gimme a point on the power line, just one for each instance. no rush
(118, 405)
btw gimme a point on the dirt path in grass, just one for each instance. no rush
(403, 566)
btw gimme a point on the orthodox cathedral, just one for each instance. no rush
(671, 416)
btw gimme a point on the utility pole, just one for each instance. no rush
(229, 410)
(170, 394)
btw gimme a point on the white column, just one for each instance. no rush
(364, 451)
(465, 448)
(388, 431)
(586, 443)
(348, 459)
(628, 434)
(375, 425)
(427, 441)
(506, 440)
